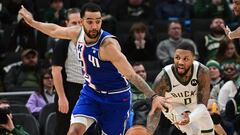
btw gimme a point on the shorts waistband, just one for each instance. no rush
(112, 91)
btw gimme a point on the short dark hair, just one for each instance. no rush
(91, 7)
(186, 46)
(137, 64)
(139, 26)
(174, 21)
(71, 11)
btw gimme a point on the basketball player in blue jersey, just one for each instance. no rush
(105, 97)
(188, 83)
(236, 33)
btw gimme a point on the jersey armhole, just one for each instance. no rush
(168, 79)
(110, 36)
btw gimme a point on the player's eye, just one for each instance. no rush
(89, 22)
(186, 59)
(98, 21)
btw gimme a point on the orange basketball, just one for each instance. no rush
(137, 130)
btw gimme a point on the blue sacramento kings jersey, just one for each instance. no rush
(99, 74)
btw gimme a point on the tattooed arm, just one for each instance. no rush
(161, 84)
(203, 92)
(110, 51)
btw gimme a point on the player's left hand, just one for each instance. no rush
(185, 119)
(159, 103)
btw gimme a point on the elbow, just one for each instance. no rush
(53, 34)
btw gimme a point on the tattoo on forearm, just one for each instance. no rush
(199, 96)
(142, 85)
(161, 84)
(152, 122)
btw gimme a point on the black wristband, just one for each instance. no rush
(153, 96)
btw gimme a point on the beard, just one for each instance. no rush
(217, 30)
(92, 36)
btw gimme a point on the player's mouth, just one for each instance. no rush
(181, 70)
(93, 32)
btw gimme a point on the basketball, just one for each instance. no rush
(137, 130)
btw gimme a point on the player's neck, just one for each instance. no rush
(184, 77)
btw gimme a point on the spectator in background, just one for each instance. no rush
(132, 10)
(212, 8)
(172, 9)
(216, 78)
(44, 95)
(230, 88)
(140, 70)
(55, 13)
(7, 126)
(215, 73)
(139, 46)
(210, 43)
(227, 53)
(23, 37)
(166, 48)
(24, 76)
(230, 71)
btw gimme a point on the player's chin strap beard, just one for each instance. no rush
(181, 75)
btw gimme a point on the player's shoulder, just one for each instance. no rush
(202, 69)
(162, 76)
(110, 42)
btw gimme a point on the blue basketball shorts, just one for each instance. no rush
(110, 111)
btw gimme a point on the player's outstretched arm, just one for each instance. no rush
(231, 34)
(50, 29)
(160, 86)
(110, 51)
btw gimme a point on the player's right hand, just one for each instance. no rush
(27, 16)
(63, 105)
(159, 103)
